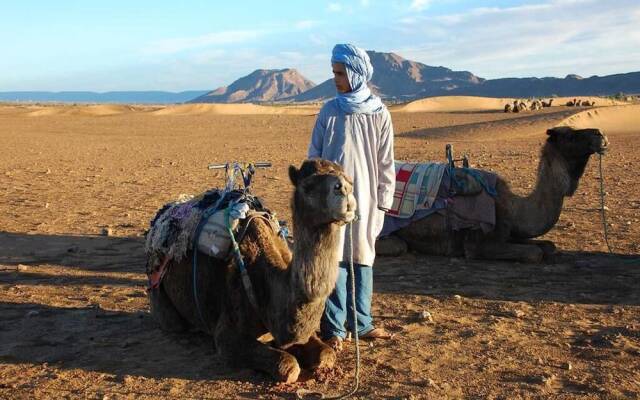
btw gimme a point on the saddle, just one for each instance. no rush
(206, 221)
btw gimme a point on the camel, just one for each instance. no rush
(573, 103)
(587, 103)
(545, 105)
(519, 106)
(507, 108)
(536, 105)
(290, 289)
(563, 159)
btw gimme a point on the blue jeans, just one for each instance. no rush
(338, 307)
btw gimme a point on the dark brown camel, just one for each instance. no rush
(563, 160)
(290, 289)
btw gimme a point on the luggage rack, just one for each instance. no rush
(234, 169)
(452, 161)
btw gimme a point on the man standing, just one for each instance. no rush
(355, 130)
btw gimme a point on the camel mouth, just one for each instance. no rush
(346, 218)
(603, 146)
(349, 216)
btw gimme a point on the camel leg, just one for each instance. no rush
(240, 350)
(164, 312)
(391, 246)
(547, 246)
(314, 354)
(510, 251)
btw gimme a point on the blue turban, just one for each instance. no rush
(359, 100)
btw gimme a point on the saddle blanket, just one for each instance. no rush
(417, 186)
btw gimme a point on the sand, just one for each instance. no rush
(619, 119)
(75, 321)
(471, 103)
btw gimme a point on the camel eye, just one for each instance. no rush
(338, 186)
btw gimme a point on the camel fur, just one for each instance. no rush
(290, 289)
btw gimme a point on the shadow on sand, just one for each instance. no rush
(573, 277)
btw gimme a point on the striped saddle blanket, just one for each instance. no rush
(417, 186)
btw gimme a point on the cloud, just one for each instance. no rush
(419, 5)
(555, 37)
(306, 24)
(176, 45)
(334, 7)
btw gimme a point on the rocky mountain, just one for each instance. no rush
(398, 79)
(571, 85)
(261, 85)
(395, 78)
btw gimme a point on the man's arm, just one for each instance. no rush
(386, 169)
(317, 137)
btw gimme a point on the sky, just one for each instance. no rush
(201, 45)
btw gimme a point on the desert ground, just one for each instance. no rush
(79, 185)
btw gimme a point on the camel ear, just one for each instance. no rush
(293, 175)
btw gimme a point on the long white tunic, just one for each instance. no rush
(363, 145)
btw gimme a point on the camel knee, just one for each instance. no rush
(314, 354)
(164, 312)
(288, 368)
(391, 246)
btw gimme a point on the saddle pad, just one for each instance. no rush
(416, 187)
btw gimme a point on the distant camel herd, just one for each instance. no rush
(534, 105)
(578, 103)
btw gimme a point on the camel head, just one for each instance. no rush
(323, 193)
(576, 146)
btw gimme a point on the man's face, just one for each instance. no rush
(340, 78)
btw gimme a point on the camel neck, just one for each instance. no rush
(315, 258)
(537, 213)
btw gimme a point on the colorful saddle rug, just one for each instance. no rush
(465, 195)
(417, 186)
(173, 229)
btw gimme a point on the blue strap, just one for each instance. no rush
(480, 179)
(244, 274)
(209, 212)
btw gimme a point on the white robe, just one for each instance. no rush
(363, 145)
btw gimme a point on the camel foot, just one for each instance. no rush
(327, 358)
(391, 246)
(547, 246)
(288, 369)
(164, 312)
(314, 354)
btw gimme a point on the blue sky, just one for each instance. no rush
(168, 45)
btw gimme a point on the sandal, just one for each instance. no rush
(377, 333)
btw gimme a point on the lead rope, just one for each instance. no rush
(302, 393)
(602, 207)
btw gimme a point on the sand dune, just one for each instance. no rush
(432, 104)
(453, 104)
(472, 103)
(79, 110)
(234, 109)
(618, 119)
(600, 101)
(181, 109)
